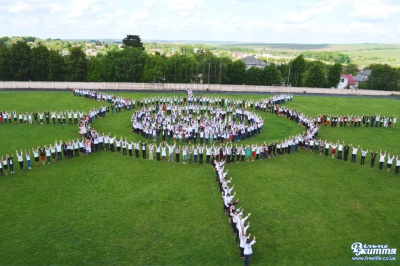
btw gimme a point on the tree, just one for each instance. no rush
(212, 69)
(297, 68)
(19, 61)
(104, 69)
(76, 64)
(153, 68)
(383, 77)
(202, 54)
(254, 76)
(237, 72)
(39, 63)
(333, 75)
(94, 70)
(181, 69)
(56, 66)
(225, 61)
(5, 63)
(315, 75)
(271, 75)
(351, 69)
(4, 40)
(128, 64)
(133, 41)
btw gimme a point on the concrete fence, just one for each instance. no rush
(124, 86)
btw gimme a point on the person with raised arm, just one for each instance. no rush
(20, 156)
(248, 250)
(396, 171)
(171, 151)
(381, 159)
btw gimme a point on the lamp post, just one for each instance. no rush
(288, 76)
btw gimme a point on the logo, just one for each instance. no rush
(364, 251)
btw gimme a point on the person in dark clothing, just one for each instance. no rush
(346, 152)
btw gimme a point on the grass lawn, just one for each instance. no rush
(107, 208)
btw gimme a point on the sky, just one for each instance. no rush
(290, 21)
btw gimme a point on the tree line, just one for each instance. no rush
(20, 62)
(328, 56)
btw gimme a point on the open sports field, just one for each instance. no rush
(109, 209)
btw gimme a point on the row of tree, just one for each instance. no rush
(305, 73)
(19, 62)
(328, 57)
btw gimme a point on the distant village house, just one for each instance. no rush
(347, 82)
(252, 61)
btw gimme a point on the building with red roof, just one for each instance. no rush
(347, 82)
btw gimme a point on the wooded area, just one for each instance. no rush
(22, 62)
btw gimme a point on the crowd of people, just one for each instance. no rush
(192, 122)
(196, 130)
(236, 217)
(49, 117)
(120, 102)
(201, 126)
(356, 120)
(310, 141)
(207, 121)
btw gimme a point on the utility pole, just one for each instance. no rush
(220, 75)
(209, 74)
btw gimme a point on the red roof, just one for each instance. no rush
(350, 79)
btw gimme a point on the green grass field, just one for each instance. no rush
(362, 54)
(109, 209)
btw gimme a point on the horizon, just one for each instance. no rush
(201, 41)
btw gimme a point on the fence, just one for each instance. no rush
(123, 86)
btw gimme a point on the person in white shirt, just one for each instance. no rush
(340, 150)
(5, 164)
(171, 152)
(227, 199)
(396, 171)
(334, 146)
(158, 151)
(363, 154)
(58, 148)
(111, 140)
(20, 157)
(36, 155)
(382, 159)
(28, 158)
(243, 239)
(389, 162)
(163, 150)
(130, 145)
(248, 250)
(354, 153)
(327, 145)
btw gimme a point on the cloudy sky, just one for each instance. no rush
(290, 21)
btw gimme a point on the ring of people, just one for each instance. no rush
(195, 130)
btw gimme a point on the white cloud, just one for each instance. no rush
(149, 3)
(18, 7)
(371, 10)
(183, 6)
(55, 8)
(120, 13)
(79, 8)
(307, 12)
(317, 21)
